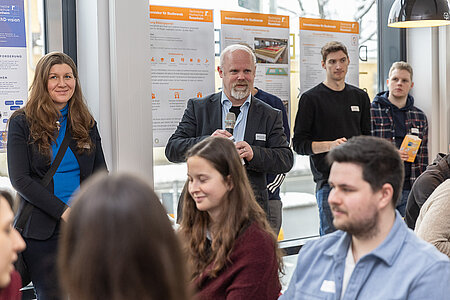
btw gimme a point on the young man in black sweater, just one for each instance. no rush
(328, 115)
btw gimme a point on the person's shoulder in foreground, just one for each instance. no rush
(12, 291)
(402, 267)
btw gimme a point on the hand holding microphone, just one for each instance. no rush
(230, 121)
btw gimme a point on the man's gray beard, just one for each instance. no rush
(239, 95)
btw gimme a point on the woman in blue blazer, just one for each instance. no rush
(35, 134)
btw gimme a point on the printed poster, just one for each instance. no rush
(268, 35)
(314, 33)
(182, 64)
(13, 62)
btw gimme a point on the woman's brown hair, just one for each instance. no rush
(239, 209)
(41, 113)
(119, 244)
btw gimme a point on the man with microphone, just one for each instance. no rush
(258, 129)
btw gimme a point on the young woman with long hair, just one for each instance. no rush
(55, 108)
(11, 243)
(119, 244)
(231, 250)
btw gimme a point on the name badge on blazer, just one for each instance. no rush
(260, 137)
(354, 108)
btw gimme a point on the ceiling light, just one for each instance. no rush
(419, 13)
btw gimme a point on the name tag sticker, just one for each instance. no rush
(260, 137)
(354, 108)
(328, 287)
(415, 130)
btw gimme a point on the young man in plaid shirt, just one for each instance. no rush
(394, 115)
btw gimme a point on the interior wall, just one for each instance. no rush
(427, 53)
(113, 51)
(94, 68)
(444, 90)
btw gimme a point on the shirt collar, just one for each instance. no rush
(387, 251)
(65, 110)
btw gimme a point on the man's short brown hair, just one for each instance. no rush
(401, 65)
(333, 46)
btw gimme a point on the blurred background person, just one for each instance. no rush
(231, 250)
(11, 243)
(119, 244)
(274, 181)
(433, 223)
(55, 109)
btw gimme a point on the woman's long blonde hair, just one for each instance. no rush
(239, 209)
(41, 113)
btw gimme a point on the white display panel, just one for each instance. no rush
(182, 64)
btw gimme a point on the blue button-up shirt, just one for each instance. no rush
(402, 267)
(241, 121)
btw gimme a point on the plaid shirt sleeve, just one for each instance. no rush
(381, 122)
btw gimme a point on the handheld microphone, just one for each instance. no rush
(230, 121)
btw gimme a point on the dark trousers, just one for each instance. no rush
(40, 258)
(325, 214)
(275, 214)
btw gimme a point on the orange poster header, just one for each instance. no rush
(254, 19)
(181, 13)
(329, 25)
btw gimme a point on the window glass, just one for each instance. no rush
(300, 216)
(34, 22)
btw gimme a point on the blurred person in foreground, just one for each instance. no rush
(119, 244)
(433, 222)
(373, 255)
(231, 250)
(435, 174)
(55, 109)
(11, 243)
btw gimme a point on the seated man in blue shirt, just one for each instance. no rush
(373, 255)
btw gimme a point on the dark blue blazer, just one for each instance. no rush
(204, 115)
(27, 167)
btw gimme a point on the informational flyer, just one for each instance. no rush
(13, 62)
(182, 63)
(268, 35)
(314, 33)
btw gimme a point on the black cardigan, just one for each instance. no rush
(27, 167)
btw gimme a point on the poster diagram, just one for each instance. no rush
(268, 35)
(13, 62)
(314, 33)
(182, 63)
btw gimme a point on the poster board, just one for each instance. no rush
(13, 62)
(182, 63)
(268, 35)
(314, 33)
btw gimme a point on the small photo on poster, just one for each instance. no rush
(271, 50)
